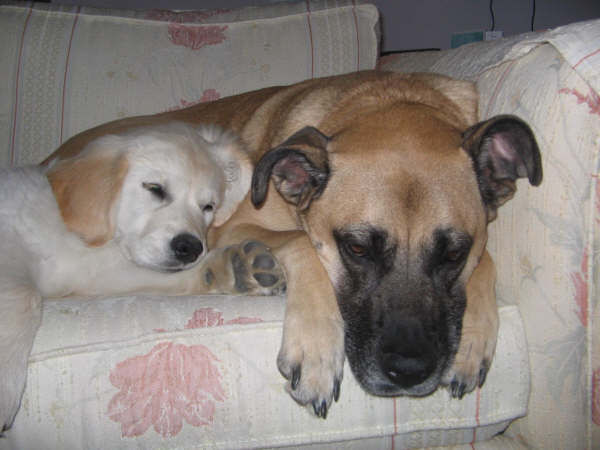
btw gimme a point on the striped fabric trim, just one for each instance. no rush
(68, 60)
(312, 48)
(477, 408)
(18, 77)
(357, 35)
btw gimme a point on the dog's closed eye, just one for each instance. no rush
(207, 208)
(156, 189)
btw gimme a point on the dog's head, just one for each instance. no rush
(153, 191)
(395, 191)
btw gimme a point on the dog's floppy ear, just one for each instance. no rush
(503, 149)
(299, 169)
(86, 187)
(231, 155)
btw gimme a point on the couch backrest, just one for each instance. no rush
(69, 68)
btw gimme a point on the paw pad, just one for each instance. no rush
(209, 277)
(256, 271)
(266, 279)
(264, 262)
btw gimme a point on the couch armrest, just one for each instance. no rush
(546, 241)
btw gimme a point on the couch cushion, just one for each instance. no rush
(200, 372)
(69, 68)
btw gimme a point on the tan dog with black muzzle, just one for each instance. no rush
(374, 190)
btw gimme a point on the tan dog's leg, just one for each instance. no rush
(312, 349)
(479, 331)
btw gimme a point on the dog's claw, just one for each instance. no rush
(457, 389)
(485, 367)
(296, 372)
(336, 389)
(460, 385)
(316, 409)
(320, 409)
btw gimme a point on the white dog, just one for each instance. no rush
(129, 214)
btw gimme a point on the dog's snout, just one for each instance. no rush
(407, 356)
(186, 247)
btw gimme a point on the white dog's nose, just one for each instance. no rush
(186, 247)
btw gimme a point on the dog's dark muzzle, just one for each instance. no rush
(408, 354)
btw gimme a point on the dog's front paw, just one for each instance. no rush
(479, 332)
(247, 268)
(312, 359)
(472, 361)
(256, 270)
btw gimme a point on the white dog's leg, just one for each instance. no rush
(246, 268)
(20, 315)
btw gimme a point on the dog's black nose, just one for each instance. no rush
(407, 356)
(186, 247)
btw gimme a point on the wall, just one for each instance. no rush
(430, 23)
(418, 24)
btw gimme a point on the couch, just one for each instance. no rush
(199, 371)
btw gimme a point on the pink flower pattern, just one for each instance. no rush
(208, 95)
(170, 384)
(580, 282)
(182, 32)
(196, 36)
(592, 100)
(208, 317)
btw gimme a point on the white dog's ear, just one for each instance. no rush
(232, 156)
(86, 186)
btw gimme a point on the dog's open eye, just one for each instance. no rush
(449, 251)
(357, 249)
(454, 255)
(155, 189)
(208, 208)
